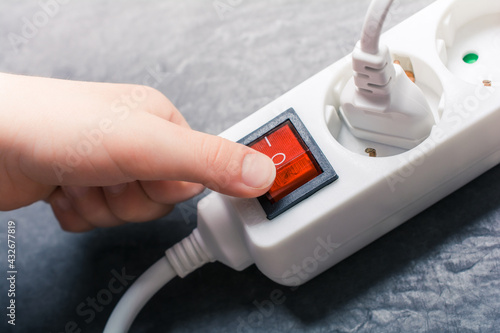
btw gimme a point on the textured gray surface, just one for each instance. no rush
(439, 272)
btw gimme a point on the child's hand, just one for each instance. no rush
(102, 154)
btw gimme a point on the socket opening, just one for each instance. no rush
(425, 79)
(468, 40)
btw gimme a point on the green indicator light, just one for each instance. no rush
(470, 58)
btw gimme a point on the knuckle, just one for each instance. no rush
(66, 226)
(94, 215)
(128, 214)
(212, 152)
(155, 100)
(70, 227)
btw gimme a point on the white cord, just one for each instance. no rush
(180, 259)
(138, 294)
(189, 254)
(372, 27)
(372, 64)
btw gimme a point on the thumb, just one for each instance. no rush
(172, 152)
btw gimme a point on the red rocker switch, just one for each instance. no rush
(295, 164)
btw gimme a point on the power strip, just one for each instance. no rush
(452, 47)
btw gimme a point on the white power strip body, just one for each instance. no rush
(372, 195)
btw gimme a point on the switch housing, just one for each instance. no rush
(301, 167)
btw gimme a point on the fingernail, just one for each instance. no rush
(116, 189)
(75, 191)
(258, 171)
(62, 203)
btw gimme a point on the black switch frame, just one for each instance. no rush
(327, 176)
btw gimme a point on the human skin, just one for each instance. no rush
(104, 154)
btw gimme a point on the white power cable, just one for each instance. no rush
(180, 259)
(138, 294)
(189, 254)
(372, 65)
(372, 27)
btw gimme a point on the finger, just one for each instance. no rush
(68, 218)
(71, 149)
(166, 151)
(90, 203)
(121, 143)
(171, 192)
(130, 203)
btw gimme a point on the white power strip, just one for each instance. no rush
(452, 46)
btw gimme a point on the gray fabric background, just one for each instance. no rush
(439, 272)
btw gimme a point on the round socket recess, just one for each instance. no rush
(425, 79)
(468, 40)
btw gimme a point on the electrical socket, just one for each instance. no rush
(373, 194)
(473, 31)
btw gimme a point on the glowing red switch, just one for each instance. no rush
(295, 164)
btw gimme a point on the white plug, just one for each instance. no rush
(380, 103)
